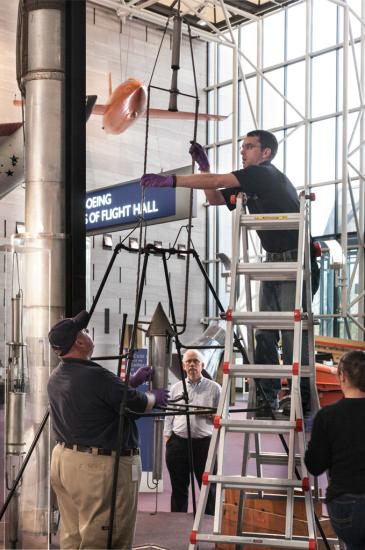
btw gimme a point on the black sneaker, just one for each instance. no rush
(264, 411)
(285, 404)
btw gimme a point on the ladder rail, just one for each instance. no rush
(296, 321)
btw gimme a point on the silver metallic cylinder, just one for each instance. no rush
(160, 358)
(176, 43)
(158, 425)
(159, 333)
(15, 438)
(44, 292)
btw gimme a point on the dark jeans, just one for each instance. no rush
(177, 461)
(347, 515)
(279, 296)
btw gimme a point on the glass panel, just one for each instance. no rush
(225, 107)
(324, 299)
(211, 63)
(246, 121)
(352, 128)
(323, 151)
(355, 333)
(225, 56)
(273, 33)
(351, 225)
(249, 46)
(279, 159)
(296, 31)
(352, 87)
(295, 157)
(323, 11)
(211, 123)
(273, 104)
(324, 84)
(210, 153)
(295, 91)
(323, 211)
(225, 158)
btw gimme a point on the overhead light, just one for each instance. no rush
(133, 243)
(107, 241)
(19, 228)
(202, 23)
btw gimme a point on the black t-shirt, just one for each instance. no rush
(84, 402)
(268, 191)
(338, 445)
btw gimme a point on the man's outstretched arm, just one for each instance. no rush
(210, 183)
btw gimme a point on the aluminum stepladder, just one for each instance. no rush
(297, 321)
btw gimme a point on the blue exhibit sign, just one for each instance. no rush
(119, 205)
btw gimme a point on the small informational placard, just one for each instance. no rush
(120, 206)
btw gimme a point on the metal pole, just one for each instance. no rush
(344, 163)
(44, 298)
(361, 303)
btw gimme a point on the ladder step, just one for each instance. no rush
(258, 540)
(267, 320)
(275, 459)
(268, 222)
(263, 483)
(258, 426)
(270, 271)
(267, 371)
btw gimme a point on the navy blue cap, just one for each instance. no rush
(63, 334)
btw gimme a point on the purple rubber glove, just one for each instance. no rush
(158, 180)
(140, 376)
(199, 155)
(161, 396)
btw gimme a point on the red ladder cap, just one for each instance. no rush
(229, 315)
(305, 484)
(295, 369)
(318, 249)
(217, 421)
(233, 199)
(297, 315)
(193, 535)
(205, 478)
(299, 425)
(312, 196)
(226, 367)
(312, 545)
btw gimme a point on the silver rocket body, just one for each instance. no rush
(160, 340)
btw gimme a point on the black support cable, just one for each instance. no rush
(186, 398)
(123, 407)
(121, 345)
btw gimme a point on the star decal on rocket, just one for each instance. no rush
(9, 172)
(14, 160)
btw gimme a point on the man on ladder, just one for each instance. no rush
(268, 190)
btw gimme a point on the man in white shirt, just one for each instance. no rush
(203, 393)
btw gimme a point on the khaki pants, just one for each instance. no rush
(83, 483)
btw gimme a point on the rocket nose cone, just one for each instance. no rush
(160, 325)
